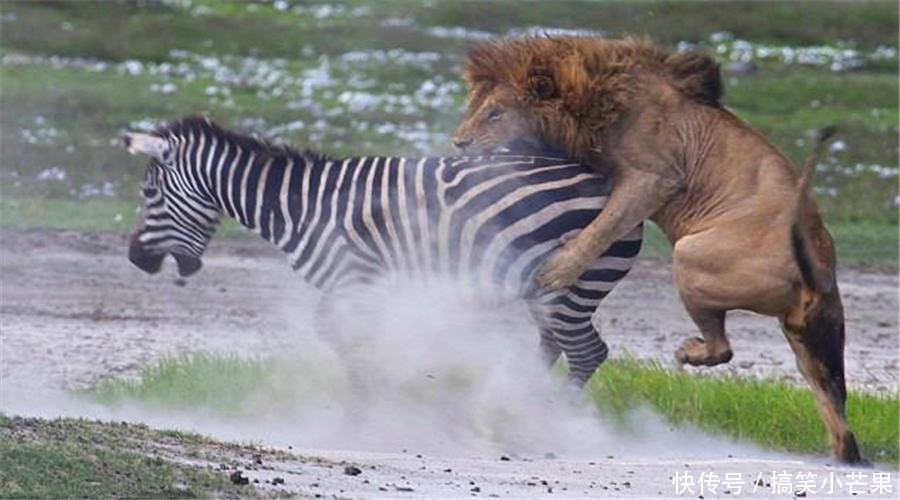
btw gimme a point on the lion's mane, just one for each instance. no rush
(592, 81)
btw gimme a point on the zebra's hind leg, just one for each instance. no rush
(550, 350)
(584, 350)
(568, 320)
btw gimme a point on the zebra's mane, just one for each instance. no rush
(202, 124)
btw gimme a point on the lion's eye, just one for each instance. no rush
(495, 113)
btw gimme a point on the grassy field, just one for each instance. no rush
(383, 78)
(73, 458)
(739, 408)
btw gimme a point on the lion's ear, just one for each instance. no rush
(542, 86)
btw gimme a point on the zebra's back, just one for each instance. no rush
(492, 218)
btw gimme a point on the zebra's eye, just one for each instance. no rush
(149, 191)
(495, 113)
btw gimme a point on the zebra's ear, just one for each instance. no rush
(150, 145)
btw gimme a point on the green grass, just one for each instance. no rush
(69, 458)
(224, 385)
(771, 413)
(736, 407)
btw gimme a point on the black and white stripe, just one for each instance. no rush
(488, 220)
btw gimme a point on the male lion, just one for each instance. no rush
(745, 233)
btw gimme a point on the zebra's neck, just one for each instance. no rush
(269, 191)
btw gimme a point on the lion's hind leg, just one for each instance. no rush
(714, 348)
(818, 345)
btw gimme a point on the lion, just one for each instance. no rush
(745, 233)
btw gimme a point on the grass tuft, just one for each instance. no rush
(226, 385)
(771, 413)
(75, 458)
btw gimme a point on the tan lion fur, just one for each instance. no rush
(745, 232)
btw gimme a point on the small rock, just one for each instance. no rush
(237, 477)
(746, 364)
(800, 494)
(475, 489)
(550, 455)
(504, 458)
(180, 282)
(277, 480)
(352, 470)
(403, 488)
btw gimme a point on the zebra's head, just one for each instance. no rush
(178, 215)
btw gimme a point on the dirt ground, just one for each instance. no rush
(73, 310)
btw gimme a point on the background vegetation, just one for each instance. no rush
(362, 77)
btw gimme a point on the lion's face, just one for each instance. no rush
(498, 120)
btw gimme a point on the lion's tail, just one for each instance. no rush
(817, 275)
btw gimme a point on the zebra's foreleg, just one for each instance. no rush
(334, 321)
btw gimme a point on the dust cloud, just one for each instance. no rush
(418, 369)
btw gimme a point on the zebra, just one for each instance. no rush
(344, 223)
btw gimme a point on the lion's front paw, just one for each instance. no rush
(561, 270)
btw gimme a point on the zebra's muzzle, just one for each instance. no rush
(187, 264)
(151, 263)
(146, 261)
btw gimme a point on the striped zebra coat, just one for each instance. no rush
(490, 221)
